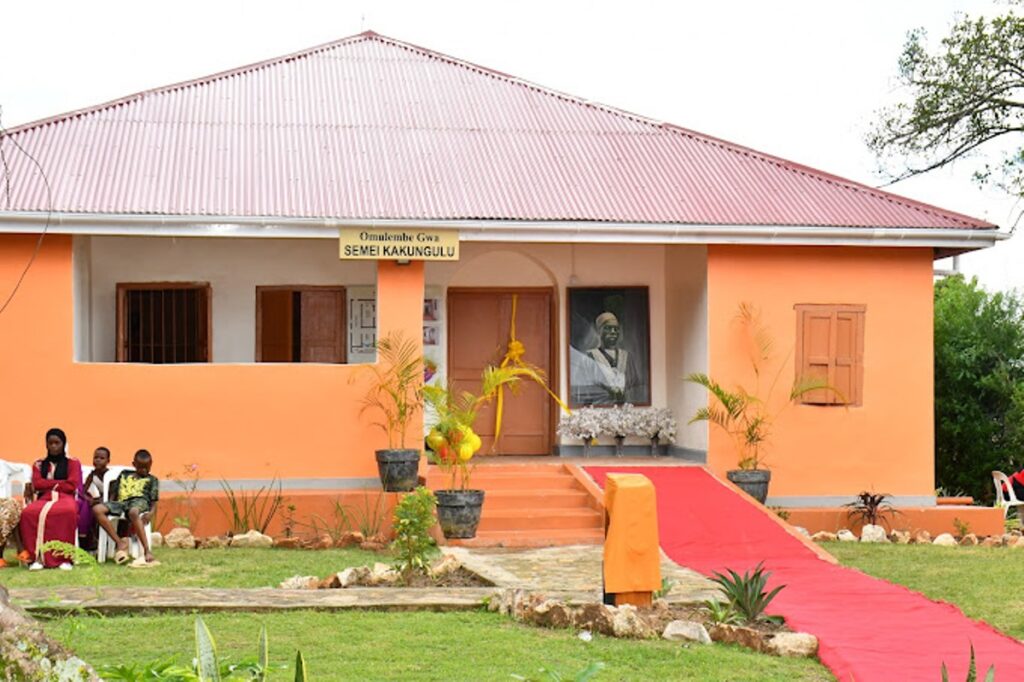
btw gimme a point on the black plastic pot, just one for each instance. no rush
(398, 469)
(458, 512)
(753, 482)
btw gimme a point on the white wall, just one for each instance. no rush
(233, 267)
(81, 283)
(686, 340)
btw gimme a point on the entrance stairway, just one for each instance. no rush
(530, 505)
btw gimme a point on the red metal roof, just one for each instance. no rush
(371, 127)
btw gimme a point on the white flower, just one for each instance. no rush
(587, 423)
(666, 422)
(583, 424)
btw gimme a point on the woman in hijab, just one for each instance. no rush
(54, 515)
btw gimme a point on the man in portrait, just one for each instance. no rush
(615, 372)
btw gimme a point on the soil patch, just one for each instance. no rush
(459, 577)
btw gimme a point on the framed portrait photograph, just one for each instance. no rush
(430, 309)
(430, 334)
(609, 346)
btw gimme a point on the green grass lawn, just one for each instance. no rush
(368, 645)
(980, 580)
(477, 645)
(200, 568)
(418, 646)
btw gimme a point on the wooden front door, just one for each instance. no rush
(478, 333)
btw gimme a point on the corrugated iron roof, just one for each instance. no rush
(371, 127)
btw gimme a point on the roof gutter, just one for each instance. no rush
(501, 230)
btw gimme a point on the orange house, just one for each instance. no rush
(179, 285)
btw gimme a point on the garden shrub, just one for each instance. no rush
(979, 385)
(413, 545)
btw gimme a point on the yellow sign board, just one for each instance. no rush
(394, 244)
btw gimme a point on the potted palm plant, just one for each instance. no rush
(746, 416)
(396, 396)
(452, 444)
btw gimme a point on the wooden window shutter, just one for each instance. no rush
(830, 346)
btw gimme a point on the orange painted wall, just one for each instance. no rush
(884, 445)
(941, 519)
(235, 421)
(208, 513)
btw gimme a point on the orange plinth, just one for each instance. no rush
(632, 561)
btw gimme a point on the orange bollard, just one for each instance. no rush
(632, 560)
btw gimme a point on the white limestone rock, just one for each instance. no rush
(846, 536)
(299, 582)
(872, 533)
(382, 574)
(253, 538)
(180, 538)
(445, 565)
(627, 623)
(686, 631)
(945, 540)
(900, 537)
(355, 575)
(797, 644)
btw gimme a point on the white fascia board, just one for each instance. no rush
(500, 231)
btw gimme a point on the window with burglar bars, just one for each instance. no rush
(163, 323)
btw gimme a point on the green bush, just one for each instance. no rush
(979, 385)
(413, 546)
(746, 593)
(972, 671)
(251, 509)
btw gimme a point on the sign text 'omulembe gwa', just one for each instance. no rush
(386, 244)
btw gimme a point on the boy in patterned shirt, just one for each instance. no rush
(134, 494)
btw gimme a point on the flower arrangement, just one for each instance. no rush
(666, 425)
(584, 424)
(621, 421)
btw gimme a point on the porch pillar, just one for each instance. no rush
(400, 310)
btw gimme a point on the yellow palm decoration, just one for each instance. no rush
(514, 363)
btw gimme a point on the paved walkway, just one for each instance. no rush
(571, 574)
(575, 570)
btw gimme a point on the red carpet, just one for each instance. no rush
(868, 629)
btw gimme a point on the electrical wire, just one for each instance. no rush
(4, 136)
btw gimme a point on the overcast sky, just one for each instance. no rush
(801, 79)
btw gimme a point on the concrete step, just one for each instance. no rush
(509, 480)
(526, 538)
(550, 498)
(534, 519)
(530, 505)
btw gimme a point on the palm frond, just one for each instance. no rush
(805, 384)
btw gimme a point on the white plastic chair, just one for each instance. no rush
(105, 544)
(1000, 479)
(14, 476)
